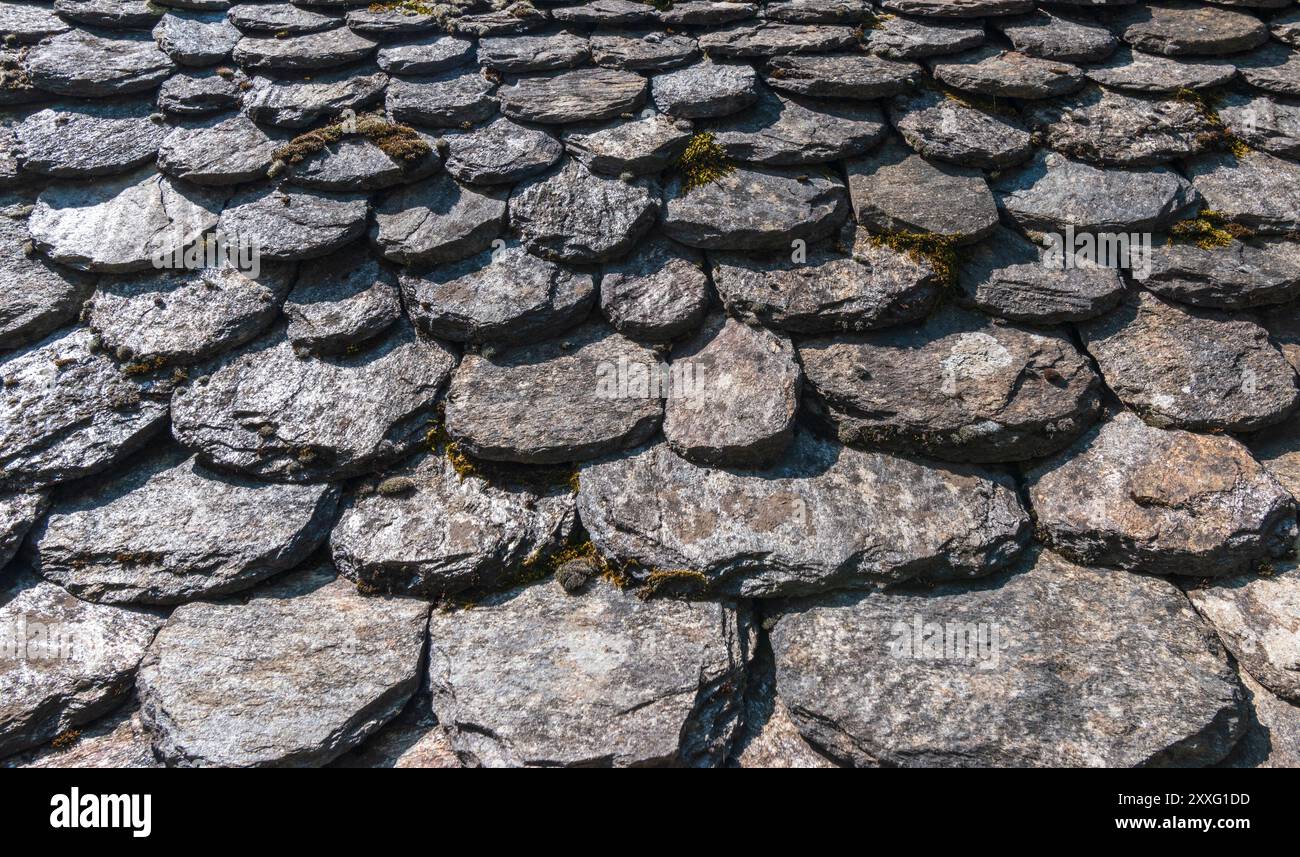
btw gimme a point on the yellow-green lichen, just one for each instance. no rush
(401, 143)
(1209, 230)
(937, 251)
(703, 162)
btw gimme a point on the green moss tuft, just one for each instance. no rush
(703, 162)
(1209, 230)
(938, 251)
(401, 143)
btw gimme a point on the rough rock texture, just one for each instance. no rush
(1140, 72)
(645, 146)
(586, 95)
(81, 64)
(436, 220)
(18, 512)
(1181, 29)
(759, 533)
(576, 215)
(88, 140)
(947, 130)
(298, 675)
(1259, 191)
(1112, 128)
(218, 152)
(1065, 667)
(444, 533)
(291, 225)
(503, 152)
(754, 209)
(533, 677)
(117, 740)
(788, 130)
(1273, 733)
(341, 301)
(1161, 501)
(658, 293)
(856, 76)
(1243, 274)
(35, 295)
(992, 72)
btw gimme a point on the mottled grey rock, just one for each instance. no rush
(957, 8)
(29, 23)
(894, 189)
(375, 20)
(755, 209)
(297, 103)
(110, 14)
(857, 76)
(1273, 735)
(341, 301)
(171, 531)
(818, 11)
(427, 55)
(83, 64)
(1011, 277)
(1278, 447)
(1161, 501)
(518, 17)
(117, 740)
(194, 93)
(734, 393)
(1258, 619)
(1258, 191)
(1112, 128)
(1052, 192)
(770, 739)
(449, 533)
(903, 38)
(760, 533)
(705, 89)
(1139, 72)
(35, 295)
(698, 13)
(15, 86)
(182, 316)
(789, 130)
(639, 147)
(768, 38)
(409, 741)
(436, 220)
(19, 511)
(505, 294)
(1188, 29)
(195, 38)
(517, 54)
(449, 99)
(575, 397)
(503, 152)
(658, 293)
(576, 215)
(1057, 667)
(1049, 36)
(290, 225)
(358, 163)
(95, 139)
(607, 13)
(303, 672)
(1257, 272)
(75, 660)
(1263, 123)
(996, 73)
(304, 52)
(220, 151)
(268, 412)
(644, 50)
(536, 678)
(69, 412)
(122, 223)
(946, 129)
(1193, 369)
(279, 18)
(584, 95)
(958, 387)
(1285, 27)
(861, 287)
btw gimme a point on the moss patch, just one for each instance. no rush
(1209, 230)
(537, 477)
(406, 7)
(938, 251)
(1218, 137)
(703, 162)
(676, 580)
(401, 143)
(66, 739)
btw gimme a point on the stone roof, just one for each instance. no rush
(676, 382)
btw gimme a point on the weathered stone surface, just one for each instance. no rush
(1011, 277)
(268, 412)
(297, 103)
(171, 531)
(769, 38)
(608, 13)
(643, 50)
(503, 152)
(122, 223)
(857, 76)
(1140, 72)
(945, 129)
(903, 38)
(1258, 619)
(110, 14)
(501, 295)
(759, 533)
(1258, 191)
(409, 741)
(69, 412)
(1006, 74)
(818, 11)
(1273, 733)
(957, 8)
(96, 139)
(436, 220)
(30, 23)
(194, 93)
(1049, 36)
(789, 130)
(300, 674)
(1070, 662)
(658, 293)
(1161, 501)
(378, 21)
(447, 533)
(19, 510)
(290, 225)
(1278, 447)
(1188, 29)
(42, 691)
(1263, 122)
(517, 54)
(576, 215)
(1052, 192)
(958, 387)
(341, 301)
(221, 151)
(449, 99)
(697, 13)
(705, 89)
(895, 189)
(358, 163)
(35, 296)
(83, 64)
(536, 678)
(518, 17)
(1254, 273)
(584, 95)
(770, 739)
(1112, 128)
(196, 38)
(579, 396)
(1193, 369)
(643, 146)
(181, 316)
(304, 52)
(428, 55)
(15, 86)
(734, 395)
(834, 288)
(755, 209)
(117, 740)
(279, 18)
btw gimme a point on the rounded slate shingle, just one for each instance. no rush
(82, 64)
(436, 220)
(340, 301)
(93, 139)
(584, 95)
(579, 216)
(290, 225)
